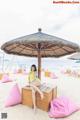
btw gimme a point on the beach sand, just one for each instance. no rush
(67, 86)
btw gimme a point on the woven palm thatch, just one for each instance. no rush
(49, 46)
(39, 45)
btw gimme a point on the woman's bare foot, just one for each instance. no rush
(35, 109)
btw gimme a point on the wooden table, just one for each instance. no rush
(41, 104)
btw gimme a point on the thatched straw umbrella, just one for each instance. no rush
(39, 45)
(75, 56)
(78, 61)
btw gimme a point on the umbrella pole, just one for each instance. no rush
(39, 65)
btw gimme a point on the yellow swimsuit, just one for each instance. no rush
(33, 77)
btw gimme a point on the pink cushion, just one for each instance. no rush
(53, 76)
(5, 79)
(62, 107)
(14, 97)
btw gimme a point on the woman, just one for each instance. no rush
(34, 83)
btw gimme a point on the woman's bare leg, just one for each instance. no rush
(33, 98)
(38, 90)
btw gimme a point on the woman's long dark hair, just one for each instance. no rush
(35, 69)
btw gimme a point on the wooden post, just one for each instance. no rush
(39, 62)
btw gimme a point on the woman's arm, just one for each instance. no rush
(29, 78)
(36, 74)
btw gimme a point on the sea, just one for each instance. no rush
(13, 62)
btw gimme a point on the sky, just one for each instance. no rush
(22, 17)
